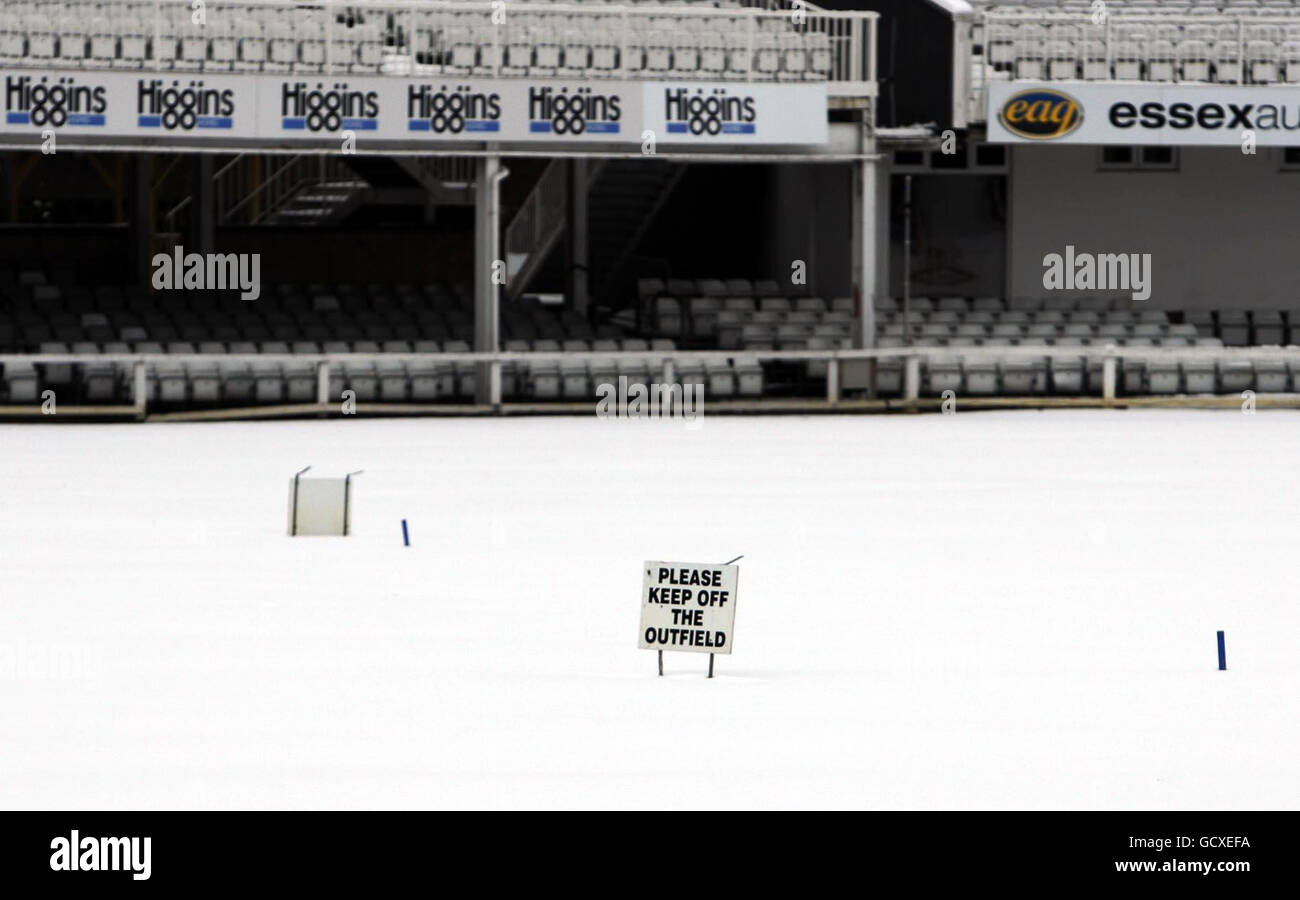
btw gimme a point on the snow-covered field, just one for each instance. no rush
(984, 610)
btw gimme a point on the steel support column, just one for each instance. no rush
(140, 229)
(489, 276)
(869, 253)
(203, 209)
(578, 244)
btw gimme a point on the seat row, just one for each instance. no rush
(1258, 62)
(1013, 333)
(1020, 317)
(224, 380)
(27, 324)
(685, 288)
(685, 48)
(1057, 375)
(1065, 303)
(252, 38)
(151, 35)
(705, 323)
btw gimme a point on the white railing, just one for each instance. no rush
(518, 39)
(672, 363)
(1195, 49)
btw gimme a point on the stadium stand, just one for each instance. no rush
(50, 309)
(1206, 41)
(49, 313)
(744, 314)
(660, 41)
(46, 311)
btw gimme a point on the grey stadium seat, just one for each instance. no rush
(749, 377)
(425, 380)
(1025, 374)
(720, 378)
(299, 382)
(21, 382)
(204, 381)
(172, 385)
(268, 382)
(1199, 375)
(392, 380)
(942, 372)
(1164, 375)
(237, 382)
(1068, 372)
(362, 380)
(1272, 376)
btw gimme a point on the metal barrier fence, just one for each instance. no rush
(494, 39)
(1109, 359)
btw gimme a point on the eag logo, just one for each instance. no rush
(53, 102)
(708, 114)
(559, 112)
(176, 108)
(319, 108)
(452, 111)
(1041, 114)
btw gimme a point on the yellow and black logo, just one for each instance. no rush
(1041, 114)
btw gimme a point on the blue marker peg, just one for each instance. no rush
(406, 537)
(1223, 655)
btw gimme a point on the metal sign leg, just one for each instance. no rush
(710, 665)
(661, 662)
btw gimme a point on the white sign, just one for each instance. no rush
(688, 606)
(1119, 113)
(116, 104)
(736, 113)
(408, 111)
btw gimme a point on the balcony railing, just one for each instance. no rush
(486, 39)
(1164, 49)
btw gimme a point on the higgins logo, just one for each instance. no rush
(1041, 115)
(451, 111)
(327, 109)
(54, 102)
(172, 107)
(552, 112)
(714, 113)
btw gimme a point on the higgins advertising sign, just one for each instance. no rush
(126, 105)
(694, 113)
(405, 111)
(1188, 115)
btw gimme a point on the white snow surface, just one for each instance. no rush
(986, 610)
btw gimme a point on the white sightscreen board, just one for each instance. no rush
(688, 606)
(322, 506)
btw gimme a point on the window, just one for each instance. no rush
(1116, 157)
(1130, 159)
(1159, 158)
(994, 155)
